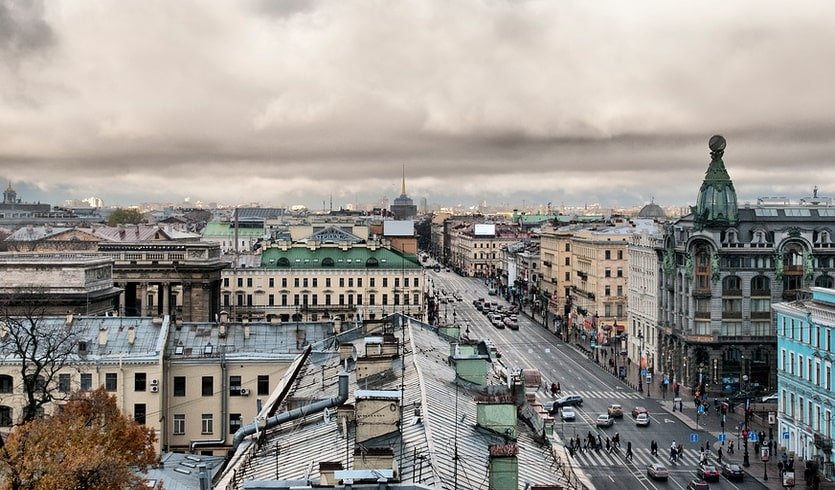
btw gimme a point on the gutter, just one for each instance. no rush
(276, 420)
(224, 402)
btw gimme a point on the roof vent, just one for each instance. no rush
(131, 335)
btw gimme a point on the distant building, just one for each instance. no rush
(13, 207)
(804, 377)
(403, 207)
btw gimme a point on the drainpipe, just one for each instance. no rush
(276, 420)
(224, 403)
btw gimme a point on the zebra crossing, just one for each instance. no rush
(608, 395)
(641, 457)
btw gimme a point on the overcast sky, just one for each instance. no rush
(286, 101)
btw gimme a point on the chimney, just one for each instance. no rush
(326, 469)
(378, 413)
(374, 458)
(497, 413)
(69, 320)
(131, 335)
(503, 468)
(221, 330)
(246, 329)
(102, 335)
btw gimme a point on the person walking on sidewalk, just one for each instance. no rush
(629, 450)
(731, 447)
(719, 455)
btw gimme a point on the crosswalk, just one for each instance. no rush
(608, 395)
(641, 457)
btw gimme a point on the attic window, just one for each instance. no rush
(208, 349)
(283, 261)
(178, 350)
(82, 346)
(327, 262)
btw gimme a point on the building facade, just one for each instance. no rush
(475, 248)
(804, 377)
(723, 267)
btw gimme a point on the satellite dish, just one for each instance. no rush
(326, 414)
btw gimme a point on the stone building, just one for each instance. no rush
(723, 266)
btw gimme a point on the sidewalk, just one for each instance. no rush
(711, 423)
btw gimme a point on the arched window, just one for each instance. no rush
(327, 262)
(371, 262)
(824, 281)
(6, 383)
(283, 262)
(760, 286)
(703, 269)
(732, 286)
(5, 416)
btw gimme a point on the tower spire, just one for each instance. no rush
(403, 186)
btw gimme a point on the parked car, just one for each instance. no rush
(569, 401)
(512, 322)
(567, 413)
(615, 410)
(604, 420)
(708, 472)
(497, 320)
(492, 291)
(478, 301)
(658, 471)
(732, 472)
(642, 420)
(639, 410)
(697, 485)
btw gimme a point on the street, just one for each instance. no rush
(533, 346)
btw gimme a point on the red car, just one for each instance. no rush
(637, 410)
(708, 472)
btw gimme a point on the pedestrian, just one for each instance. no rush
(599, 441)
(629, 450)
(680, 405)
(553, 389)
(608, 446)
(719, 455)
(702, 457)
(673, 450)
(731, 447)
(558, 387)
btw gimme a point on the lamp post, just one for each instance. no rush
(745, 461)
(640, 358)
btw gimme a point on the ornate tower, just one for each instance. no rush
(9, 195)
(716, 205)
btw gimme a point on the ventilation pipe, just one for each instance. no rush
(276, 420)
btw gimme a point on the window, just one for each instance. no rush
(86, 381)
(372, 299)
(139, 381)
(385, 282)
(327, 282)
(620, 290)
(207, 386)
(304, 283)
(607, 291)
(607, 255)
(385, 299)
(327, 299)
(234, 422)
(620, 271)
(283, 300)
(417, 298)
(110, 381)
(249, 282)
(64, 383)
(342, 282)
(607, 273)
(240, 282)
(271, 300)
(139, 412)
(295, 282)
(568, 261)
(397, 282)
(315, 299)
(234, 386)
(416, 282)
(315, 282)
(359, 282)
(341, 299)
(263, 384)
(620, 254)
(350, 282)
(272, 282)
(567, 276)
(5, 416)
(702, 328)
(567, 247)
(6, 383)
(226, 282)
(284, 282)
(179, 424)
(206, 425)
(371, 282)
(179, 386)
(359, 299)
(295, 300)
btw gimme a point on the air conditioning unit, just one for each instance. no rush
(154, 382)
(154, 389)
(244, 392)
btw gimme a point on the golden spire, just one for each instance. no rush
(403, 187)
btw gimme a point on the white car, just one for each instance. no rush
(642, 420)
(604, 420)
(567, 413)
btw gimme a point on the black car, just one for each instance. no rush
(732, 472)
(568, 400)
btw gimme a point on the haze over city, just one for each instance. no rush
(498, 101)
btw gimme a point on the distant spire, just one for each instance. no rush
(403, 187)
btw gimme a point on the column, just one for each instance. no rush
(122, 298)
(143, 299)
(166, 297)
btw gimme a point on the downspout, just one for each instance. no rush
(224, 402)
(276, 420)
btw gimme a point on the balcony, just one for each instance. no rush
(582, 274)
(761, 315)
(761, 292)
(700, 339)
(702, 315)
(732, 293)
(732, 314)
(702, 293)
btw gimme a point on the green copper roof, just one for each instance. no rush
(218, 229)
(352, 258)
(716, 204)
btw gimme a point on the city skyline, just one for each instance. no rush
(292, 102)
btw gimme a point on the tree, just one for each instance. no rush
(122, 216)
(39, 348)
(88, 444)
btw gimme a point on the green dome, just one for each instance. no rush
(716, 204)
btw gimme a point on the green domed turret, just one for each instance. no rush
(716, 205)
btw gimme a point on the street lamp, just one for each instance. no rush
(640, 358)
(745, 460)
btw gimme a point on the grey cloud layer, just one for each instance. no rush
(277, 101)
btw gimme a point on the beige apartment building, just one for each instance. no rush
(475, 248)
(556, 260)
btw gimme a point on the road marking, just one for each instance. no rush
(668, 421)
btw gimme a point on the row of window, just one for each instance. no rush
(814, 335)
(607, 254)
(207, 385)
(807, 369)
(206, 423)
(807, 412)
(313, 299)
(314, 282)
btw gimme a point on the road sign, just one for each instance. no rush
(752, 436)
(701, 409)
(649, 378)
(772, 418)
(722, 437)
(785, 435)
(694, 437)
(644, 372)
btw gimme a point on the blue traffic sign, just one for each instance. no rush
(752, 436)
(701, 409)
(644, 372)
(722, 437)
(785, 435)
(694, 437)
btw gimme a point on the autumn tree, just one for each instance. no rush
(125, 216)
(87, 444)
(40, 348)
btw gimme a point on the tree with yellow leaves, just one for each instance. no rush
(87, 444)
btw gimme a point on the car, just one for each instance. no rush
(708, 472)
(567, 413)
(604, 420)
(492, 291)
(447, 269)
(615, 410)
(697, 485)
(772, 398)
(658, 471)
(478, 301)
(497, 320)
(732, 472)
(512, 322)
(639, 410)
(568, 401)
(642, 420)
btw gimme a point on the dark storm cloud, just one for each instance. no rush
(283, 102)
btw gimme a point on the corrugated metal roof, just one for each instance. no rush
(355, 257)
(438, 422)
